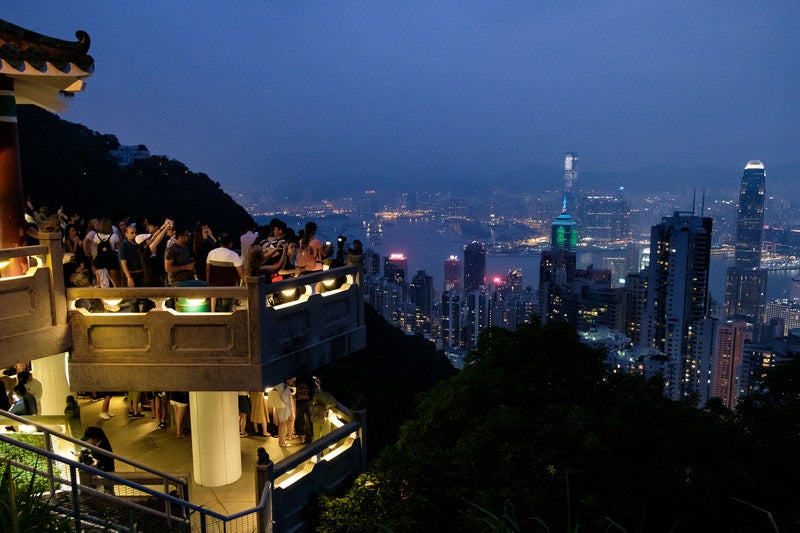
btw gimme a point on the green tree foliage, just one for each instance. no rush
(24, 509)
(66, 164)
(538, 425)
(771, 418)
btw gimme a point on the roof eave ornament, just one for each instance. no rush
(44, 68)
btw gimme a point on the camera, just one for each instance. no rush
(85, 457)
(341, 239)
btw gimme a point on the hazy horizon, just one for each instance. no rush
(442, 95)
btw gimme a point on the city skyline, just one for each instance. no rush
(446, 94)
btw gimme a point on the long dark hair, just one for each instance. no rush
(308, 234)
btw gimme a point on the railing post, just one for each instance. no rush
(55, 262)
(265, 477)
(256, 301)
(76, 497)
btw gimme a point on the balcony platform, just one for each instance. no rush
(274, 331)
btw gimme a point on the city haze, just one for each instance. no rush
(444, 95)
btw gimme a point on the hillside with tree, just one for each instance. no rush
(69, 165)
(537, 435)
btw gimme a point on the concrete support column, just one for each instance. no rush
(12, 201)
(216, 451)
(52, 372)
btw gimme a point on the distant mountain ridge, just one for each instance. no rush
(67, 164)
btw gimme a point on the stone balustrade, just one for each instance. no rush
(274, 330)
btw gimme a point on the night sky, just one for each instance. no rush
(440, 94)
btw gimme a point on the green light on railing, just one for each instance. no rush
(192, 305)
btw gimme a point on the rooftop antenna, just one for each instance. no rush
(703, 203)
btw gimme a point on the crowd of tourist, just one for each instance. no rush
(120, 252)
(154, 252)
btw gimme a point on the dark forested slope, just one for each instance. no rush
(67, 164)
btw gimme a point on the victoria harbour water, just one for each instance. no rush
(427, 244)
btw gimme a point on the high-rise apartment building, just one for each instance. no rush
(474, 266)
(746, 282)
(372, 263)
(477, 316)
(634, 303)
(395, 268)
(787, 313)
(451, 320)
(728, 358)
(676, 312)
(420, 293)
(452, 273)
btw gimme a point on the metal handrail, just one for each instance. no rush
(74, 465)
(44, 429)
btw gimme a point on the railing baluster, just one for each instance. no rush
(76, 500)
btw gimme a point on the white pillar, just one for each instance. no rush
(52, 373)
(216, 450)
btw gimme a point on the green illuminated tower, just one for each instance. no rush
(564, 233)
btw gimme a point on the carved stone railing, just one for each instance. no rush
(33, 312)
(275, 330)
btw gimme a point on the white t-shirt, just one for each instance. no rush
(224, 255)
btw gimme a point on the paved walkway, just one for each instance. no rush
(139, 440)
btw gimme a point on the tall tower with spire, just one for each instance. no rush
(746, 281)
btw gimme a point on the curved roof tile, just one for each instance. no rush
(44, 67)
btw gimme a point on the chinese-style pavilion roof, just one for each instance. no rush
(43, 68)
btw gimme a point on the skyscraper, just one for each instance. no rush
(421, 295)
(746, 282)
(452, 274)
(605, 218)
(730, 348)
(395, 268)
(474, 266)
(557, 271)
(477, 316)
(750, 216)
(570, 180)
(676, 313)
(563, 234)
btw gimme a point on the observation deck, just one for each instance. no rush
(274, 330)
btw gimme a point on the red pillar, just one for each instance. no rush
(12, 201)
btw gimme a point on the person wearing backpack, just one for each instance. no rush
(107, 243)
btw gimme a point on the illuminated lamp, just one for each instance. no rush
(331, 284)
(192, 305)
(285, 296)
(111, 304)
